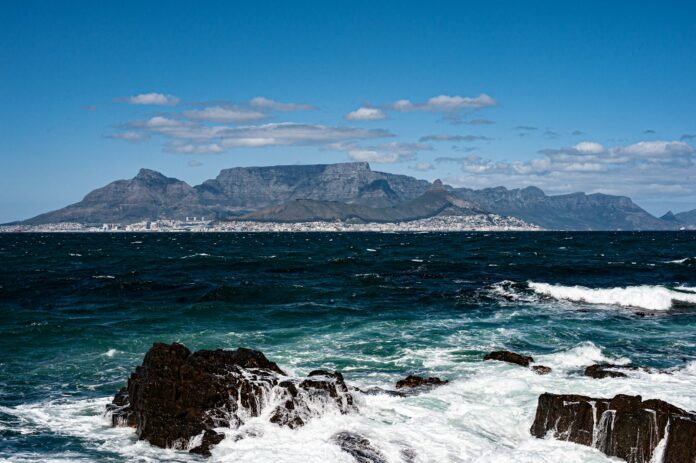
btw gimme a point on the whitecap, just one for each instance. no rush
(648, 297)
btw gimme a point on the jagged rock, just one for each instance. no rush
(681, 443)
(359, 447)
(379, 390)
(625, 426)
(598, 371)
(541, 369)
(412, 381)
(121, 413)
(510, 357)
(321, 386)
(177, 398)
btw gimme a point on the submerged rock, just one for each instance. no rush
(625, 426)
(541, 369)
(412, 381)
(359, 447)
(600, 371)
(510, 357)
(177, 398)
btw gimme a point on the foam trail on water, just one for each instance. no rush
(644, 297)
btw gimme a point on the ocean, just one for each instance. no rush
(79, 311)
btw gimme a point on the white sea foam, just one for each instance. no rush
(110, 353)
(645, 297)
(483, 415)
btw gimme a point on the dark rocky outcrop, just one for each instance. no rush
(541, 369)
(625, 426)
(177, 395)
(606, 370)
(359, 447)
(413, 381)
(510, 357)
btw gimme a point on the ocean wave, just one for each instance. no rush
(648, 297)
(684, 261)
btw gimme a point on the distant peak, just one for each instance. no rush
(146, 174)
(437, 185)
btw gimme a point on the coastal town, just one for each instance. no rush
(478, 222)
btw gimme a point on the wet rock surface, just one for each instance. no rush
(176, 398)
(606, 370)
(359, 447)
(541, 369)
(510, 357)
(413, 381)
(625, 426)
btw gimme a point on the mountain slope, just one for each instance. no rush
(149, 195)
(434, 202)
(576, 211)
(687, 218)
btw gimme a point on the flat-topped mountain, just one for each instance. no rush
(576, 211)
(251, 188)
(348, 192)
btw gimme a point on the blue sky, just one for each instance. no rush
(569, 96)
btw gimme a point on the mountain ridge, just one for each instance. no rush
(343, 191)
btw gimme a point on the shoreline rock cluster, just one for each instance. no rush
(178, 398)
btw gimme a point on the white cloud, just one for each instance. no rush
(131, 135)
(642, 170)
(366, 114)
(188, 136)
(589, 147)
(423, 166)
(224, 114)
(385, 153)
(454, 138)
(445, 104)
(153, 99)
(266, 103)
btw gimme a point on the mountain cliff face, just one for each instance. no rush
(347, 191)
(251, 188)
(576, 211)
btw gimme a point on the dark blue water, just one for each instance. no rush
(80, 310)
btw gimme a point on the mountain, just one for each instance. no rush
(687, 218)
(346, 191)
(244, 189)
(671, 218)
(435, 202)
(149, 195)
(576, 211)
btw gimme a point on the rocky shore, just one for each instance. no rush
(181, 399)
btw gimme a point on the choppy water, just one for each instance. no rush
(79, 312)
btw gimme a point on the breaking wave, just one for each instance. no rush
(648, 297)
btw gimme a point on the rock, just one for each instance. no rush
(121, 413)
(681, 443)
(412, 381)
(379, 390)
(177, 397)
(541, 369)
(604, 371)
(359, 447)
(510, 357)
(625, 426)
